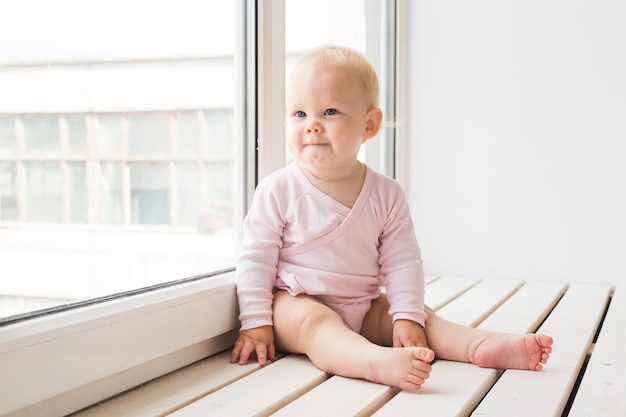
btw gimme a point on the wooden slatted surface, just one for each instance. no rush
(572, 323)
(292, 386)
(454, 389)
(603, 388)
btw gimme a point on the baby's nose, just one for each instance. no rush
(314, 127)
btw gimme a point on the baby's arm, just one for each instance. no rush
(259, 340)
(401, 265)
(256, 276)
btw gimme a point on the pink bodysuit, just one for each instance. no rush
(301, 240)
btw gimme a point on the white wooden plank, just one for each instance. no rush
(444, 290)
(430, 278)
(478, 302)
(260, 393)
(603, 388)
(175, 390)
(454, 389)
(526, 309)
(572, 323)
(339, 397)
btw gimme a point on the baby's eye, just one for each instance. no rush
(300, 113)
(330, 112)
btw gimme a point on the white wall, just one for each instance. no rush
(517, 124)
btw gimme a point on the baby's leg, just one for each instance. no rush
(302, 324)
(459, 343)
(484, 348)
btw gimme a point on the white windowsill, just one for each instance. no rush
(68, 360)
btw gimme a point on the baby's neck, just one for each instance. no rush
(344, 174)
(343, 186)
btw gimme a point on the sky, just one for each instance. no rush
(42, 30)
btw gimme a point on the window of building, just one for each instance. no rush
(72, 174)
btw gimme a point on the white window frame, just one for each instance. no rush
(85, 355)
(400, 100)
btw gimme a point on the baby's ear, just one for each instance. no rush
(373, 122)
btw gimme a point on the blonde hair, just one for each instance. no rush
(351, 60)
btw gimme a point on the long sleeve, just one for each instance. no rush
(258, 259)
(401, 262)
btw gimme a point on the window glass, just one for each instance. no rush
(76, 134)
(116, 145)
(77, 189)
(8, 196)
(149, 191)
(311, 23)
(218, 132)
(43, 192)
(215, 210)
(148, 134)
(186, 194)
(111, 194)
(8, 142)
(42, 134)
(110, 135)
(188, 136)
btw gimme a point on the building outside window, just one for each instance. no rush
(119, 159)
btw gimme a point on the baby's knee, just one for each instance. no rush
(315, 318)
(304, 313)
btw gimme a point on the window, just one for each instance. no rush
(8, 199)
(116, 146)
(122, 156)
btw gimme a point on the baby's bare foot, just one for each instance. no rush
(506, 351)
(404, 368)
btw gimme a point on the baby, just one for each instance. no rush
(325, 233)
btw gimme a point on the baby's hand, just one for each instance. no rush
(259, 340)
(407, 333)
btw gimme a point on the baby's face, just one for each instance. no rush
(326, 116)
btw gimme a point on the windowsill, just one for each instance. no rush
(107, 347)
